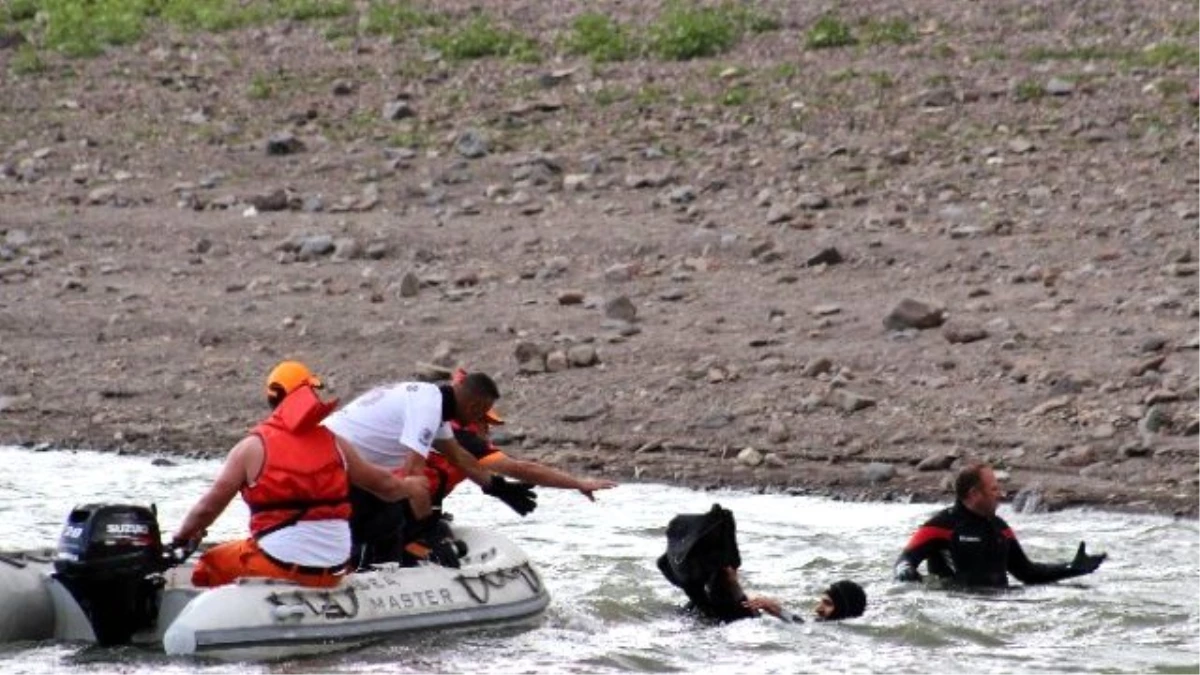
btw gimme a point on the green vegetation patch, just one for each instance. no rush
(600, 38)
(1029, 90)
(892, 31)
(16, 11)
(82, 28)
(1167, 54)
(308, 10)
(751, 19)
(828, 32)
(269, 84)
(1074, 53)
(27, 61)
(399, 17)
(684, 32)
(736, 95)
(881, 79)
(212, 15)
(480, 38)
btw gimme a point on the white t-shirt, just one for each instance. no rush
(389, 421)
(316, 543)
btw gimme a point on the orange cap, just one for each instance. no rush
(289, 376)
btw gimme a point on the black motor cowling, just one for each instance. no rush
(110, 557)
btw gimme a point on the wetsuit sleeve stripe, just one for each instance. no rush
(1008, 533)
(924, 542)
(927, 534)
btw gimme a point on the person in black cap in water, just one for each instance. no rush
(702, 558)
(842, 600)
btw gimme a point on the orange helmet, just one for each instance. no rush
(287, 377)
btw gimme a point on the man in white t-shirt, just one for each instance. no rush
(391, 422)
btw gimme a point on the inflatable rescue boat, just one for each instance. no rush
(111, 582)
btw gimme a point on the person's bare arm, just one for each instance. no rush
(383, 483)
(545, 476)
(246, 455)
(762, 603)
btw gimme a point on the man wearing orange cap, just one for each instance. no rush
(474, 438)
(430, 539)
(392, 423)
(295, 476)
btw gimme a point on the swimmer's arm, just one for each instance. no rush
(1029, 572)
(927, 540)
(771, 606)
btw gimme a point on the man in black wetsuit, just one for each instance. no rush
(970, 545)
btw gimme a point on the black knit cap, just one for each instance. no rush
(849, 600)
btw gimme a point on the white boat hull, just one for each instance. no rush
(261, 619)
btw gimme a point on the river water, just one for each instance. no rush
(612, 611)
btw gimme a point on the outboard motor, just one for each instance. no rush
(110, 557)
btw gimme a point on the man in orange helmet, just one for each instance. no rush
(295, 476)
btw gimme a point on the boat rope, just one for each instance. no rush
(498, 579)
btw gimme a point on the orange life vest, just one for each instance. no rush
(442, 476)
(303, 476)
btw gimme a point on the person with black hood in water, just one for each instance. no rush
(702, 558)
(969, 545)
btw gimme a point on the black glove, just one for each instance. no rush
(519, 497)
(179, 550)
(1084, 563)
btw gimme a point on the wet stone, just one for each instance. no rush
(620, 308)
(397, 110)
(556, 361)
(315, 246)
(911, 313)
(571, 297)
(850, 402)
(878, 472)
(582, 411)
(750, 457)
(284, 143)
(938, 461)
(582, 356)
(960, 332)
(410, 285)
(471, 144)
(827, 256)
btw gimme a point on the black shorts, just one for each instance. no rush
(378, 529)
